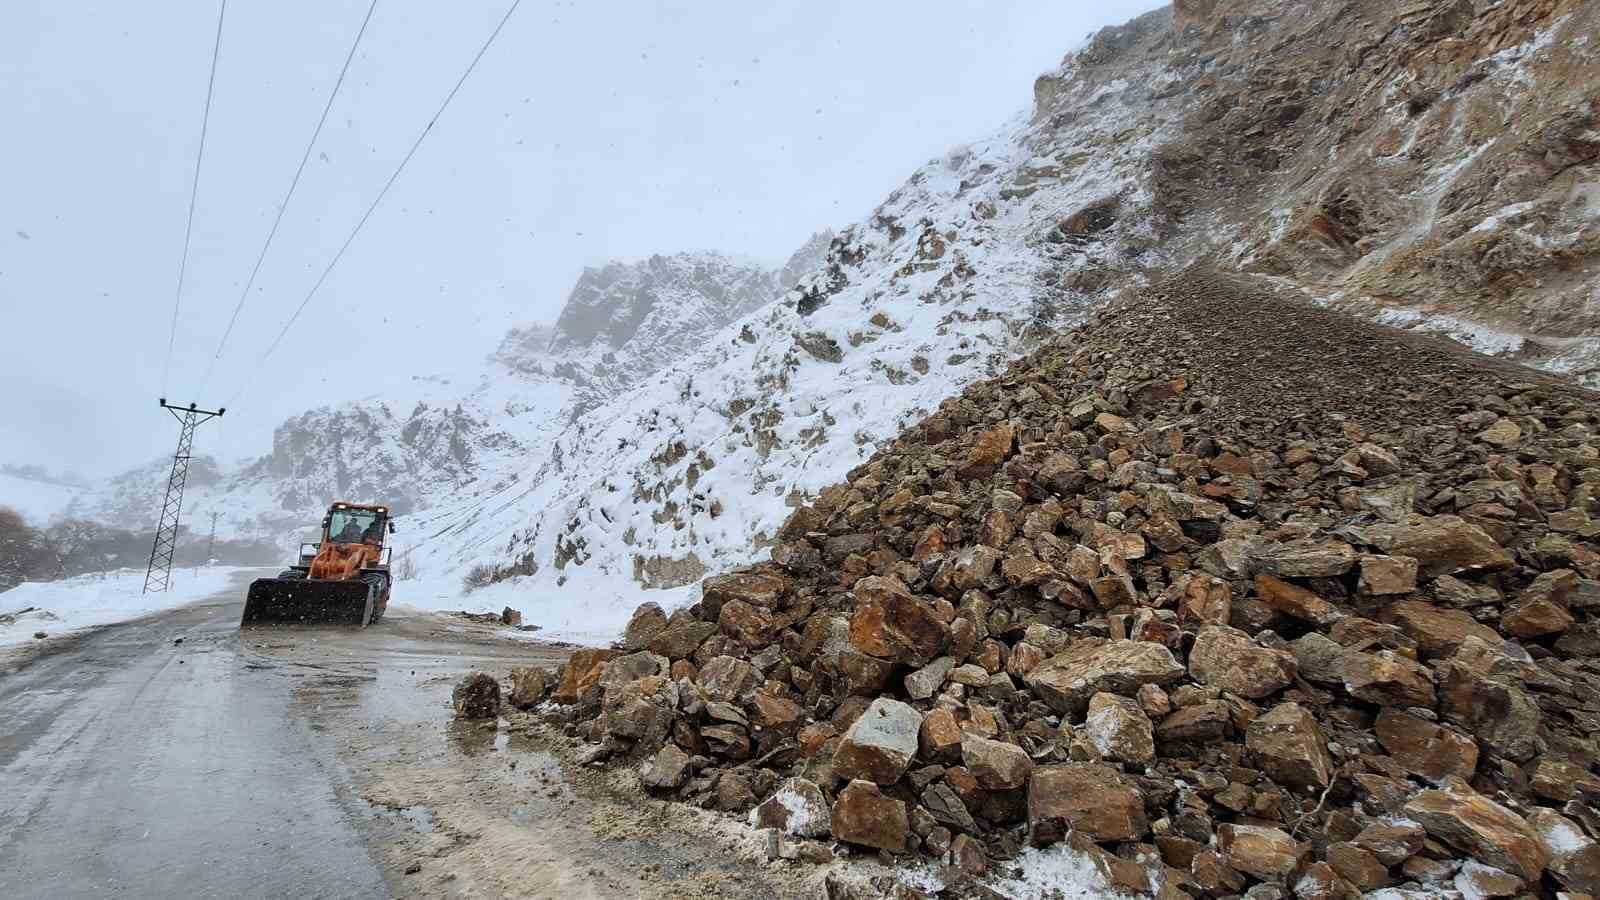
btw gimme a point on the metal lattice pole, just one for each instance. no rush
(159, 576)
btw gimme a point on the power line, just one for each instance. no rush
(426, 130)
(194, 192)
(282, 207)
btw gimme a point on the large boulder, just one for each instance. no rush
(997, 765)
(1424, 748)
(580, 673)
(1289, 746)
(1067, 680)
(1480, 827)
(1441, 545)
(648, 620)
(1437, 631)
(1119, 730)
(881, 744)
(1227, 658)
(1085, 797)
(863, 815)
(797, 807)
(761, 589)
(1574, 856)
(529, 684)
(889, 623)
(1269, 854)
(477, 696)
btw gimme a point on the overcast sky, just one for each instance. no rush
(591, 131)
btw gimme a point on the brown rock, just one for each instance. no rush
(939, 738)
(1084, 797)
(647, 621)
(1574, 857)
(728, 679)
(750, 626)
(529, 684)
(1442, 545)
(1269, 854)
(1391, 843)
(1559, 780)
(1303, 559)
(641, 710)
(1424, 748)
(1535, 618)
(1388, 575)
(996, 764)
(679, 640)
(1437, 631)
(581, 672)
(1495, 709)
(1067, 681)
(1357, 866)
(667, 770)
(797, 808)
(1199, 723)
(1289, 747)
(1476, 825)
(863, 815)
(1387, 679)
(881, 744)
(1119, 729)
(1296, 602)
(992, 448)
(477, 696)
(1205, 600)
(969, 856)
(890, 623)
(1227, 658)
(760, 589)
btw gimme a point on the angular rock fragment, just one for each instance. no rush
(881, 744)
(1084, 797)
(1480, 827)
(1067, 681)
(863, 815)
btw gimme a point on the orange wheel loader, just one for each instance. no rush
(341, 580)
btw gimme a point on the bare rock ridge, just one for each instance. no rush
(1222, 588)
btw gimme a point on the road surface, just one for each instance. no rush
(172, 757)
(178, 756)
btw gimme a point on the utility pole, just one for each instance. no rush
(211, 545)
(159, 576)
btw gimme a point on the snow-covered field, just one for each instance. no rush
(58, 607)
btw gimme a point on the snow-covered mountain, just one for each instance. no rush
(467, 437)
(1426, 164)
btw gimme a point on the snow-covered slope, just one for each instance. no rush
(694, 469)
(38, 501)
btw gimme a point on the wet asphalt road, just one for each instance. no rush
(133, 764)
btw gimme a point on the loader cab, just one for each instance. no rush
(348, 523)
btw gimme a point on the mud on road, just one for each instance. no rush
(467, 809)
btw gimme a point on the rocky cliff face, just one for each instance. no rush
(623, 321)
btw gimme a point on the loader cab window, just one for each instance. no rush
(352, 526)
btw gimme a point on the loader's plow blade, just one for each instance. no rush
(297, 601)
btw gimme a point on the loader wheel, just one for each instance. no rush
(377, 584)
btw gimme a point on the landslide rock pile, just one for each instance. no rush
(1228, 591)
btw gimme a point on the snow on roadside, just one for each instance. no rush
(57, 607)
(590, 609)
